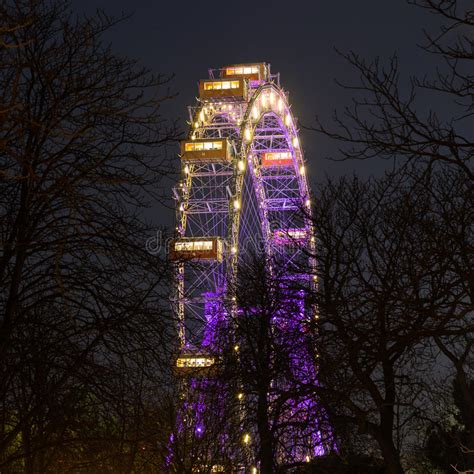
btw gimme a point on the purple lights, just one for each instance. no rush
(215, 315)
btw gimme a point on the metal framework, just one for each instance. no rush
(243, 199)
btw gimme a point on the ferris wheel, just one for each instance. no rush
(243, 187)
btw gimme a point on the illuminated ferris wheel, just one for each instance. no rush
(243, 186)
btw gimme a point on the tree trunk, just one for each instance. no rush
(390, 453)
(265, 450)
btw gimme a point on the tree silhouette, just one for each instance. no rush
(84, 332)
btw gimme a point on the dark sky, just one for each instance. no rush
(297, 37)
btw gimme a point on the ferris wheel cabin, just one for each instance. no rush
(255, 71)
(206, 150)
(212, 89)
(197, 248)
(195, 363)
(290, 236)
(279, 158)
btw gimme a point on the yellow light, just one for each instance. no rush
(264, 100)
(181, 207)
(195, 362)
(308, 203)
(233, 250)
(193, 245)
(302, 170)
(201, 116)
(295, 142)
(240, 396)
(246, 438)
(254, 470)
(255, 112)
(193, 136)
(307, 458)
(241, 165)
(186, 169)
(280, 105)
(248, 134)
(236, 348)
(288, 120)
(271, 98)
(236, 204)
(221, 85)
(196, 124)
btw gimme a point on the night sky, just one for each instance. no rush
(297, 38)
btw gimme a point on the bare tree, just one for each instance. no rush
(83, 321)
(386, 297)
(396, 255)
(386, 118)
(452, 211)
(270, 367)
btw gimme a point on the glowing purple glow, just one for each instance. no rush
(215, 315)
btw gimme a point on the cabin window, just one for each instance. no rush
(277, 156)
(193, 245)
(194, 362)
(221, 85)
(199, 146)
(239, 71)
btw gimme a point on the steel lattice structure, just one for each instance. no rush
(243, 185)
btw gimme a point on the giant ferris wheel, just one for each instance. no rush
(243, 187)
